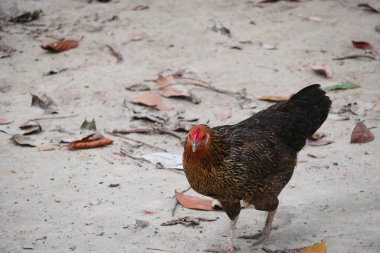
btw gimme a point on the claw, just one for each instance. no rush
(259, 237)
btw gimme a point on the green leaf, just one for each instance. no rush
(342, 86)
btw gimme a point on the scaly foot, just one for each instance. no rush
(259, 237)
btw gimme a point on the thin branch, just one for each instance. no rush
(106, 159)
(176, 201)
(160, 250)
(137, 141)
(59, 117)
(355, 56)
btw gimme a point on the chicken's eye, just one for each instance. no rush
(204, 137)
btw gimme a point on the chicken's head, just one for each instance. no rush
(198, 137)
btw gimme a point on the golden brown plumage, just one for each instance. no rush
(254, 159)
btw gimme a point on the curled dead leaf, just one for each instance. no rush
(91, 141)
(150, 99)
(44, 102)
(322, 69)
(192, 202)
(369, 7)
(164, 81)
(27, 17)
(361, 134)
(60, 46)
(25, 141)
(316, 248)
(138, 87)
(31, 127)
(5, 121)
(170, 92)
(362, 45)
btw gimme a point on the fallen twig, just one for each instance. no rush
(147, 130)
(106, 159)
(116, 54)
(137, 141)
(160, 250)
(59, 117)
(355, 56)
(177, 202)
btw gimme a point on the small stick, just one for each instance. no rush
(160, 250)
(354, 57)
(176, 201)
(227, 92)
(59, 117)
(147, 130)
(117, 55)
(137, 141)
(106, 159)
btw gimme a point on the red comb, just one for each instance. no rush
(196, 133)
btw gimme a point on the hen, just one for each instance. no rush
(253, 160)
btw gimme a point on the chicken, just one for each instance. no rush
(253, 160)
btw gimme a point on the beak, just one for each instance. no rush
(194, 146)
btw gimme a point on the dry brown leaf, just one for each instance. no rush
(5, 121)
(164, 81)
(31, 127)
(322, 69)
(316, 248)
(271, 98)
(170, 92)
(192, 202)
(362, 45)
(138, 87)
(150, 99)
(44, 102)
(150, 117)
(369, 7)
(60, 46)
(361, 134)
(23, 140)
(91, 141)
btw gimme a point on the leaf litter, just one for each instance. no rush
(322, 69)
(151, 100)
(60, 46)
(193, 202)
(31, 127)
(188, 221)
(361, 134)
(27, 17)
(94, 140)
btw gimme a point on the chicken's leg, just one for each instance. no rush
(262, 235)
(230, 236)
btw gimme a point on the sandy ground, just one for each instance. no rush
(60, 200)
